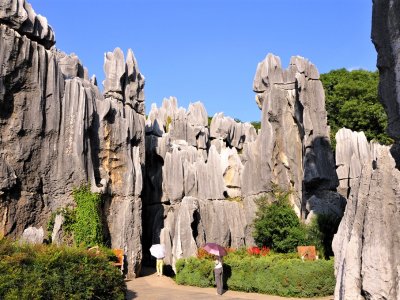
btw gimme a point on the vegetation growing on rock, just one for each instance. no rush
(82, 224)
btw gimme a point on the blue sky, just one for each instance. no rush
(208, 50)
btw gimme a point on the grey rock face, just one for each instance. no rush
(19, 15)
(367, 242)
(57, 234)
(190, 172)
(352, 152)
(123, 79)
(32, 235)
(193, 222)
(386, 38)
(293, 146)
(366, 245)
(207, 169)
(57, 132)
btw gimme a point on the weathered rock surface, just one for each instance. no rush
(352, 152)
(20, 16)
(32, 235)
(209, 170)
(367, 242)
(192, 177)
(293, 147)
(57, 234)
(57, 131)
(366, 245)
(386, 38)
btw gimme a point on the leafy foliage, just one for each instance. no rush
(195, 272)
(282, 274)
(209, 121)
(277, 225)
(50, 272)
(69, 220)
(88, 226)
(321, 231)
(256, 125)
(352, 102)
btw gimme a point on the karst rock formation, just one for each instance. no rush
(173, 177)
(201, 179)
(57, 131)
(367, 244)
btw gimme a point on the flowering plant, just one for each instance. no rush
(257, 251)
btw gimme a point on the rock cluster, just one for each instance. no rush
(200, 179)
(198, 174)
(57, 131)
(366, 245)
(192, 191)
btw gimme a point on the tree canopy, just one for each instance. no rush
(352, 101)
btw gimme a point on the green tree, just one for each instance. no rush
(352, 102)
(277, 225)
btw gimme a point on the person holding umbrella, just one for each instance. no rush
(218, 251)
(218, 273)
(158, 251)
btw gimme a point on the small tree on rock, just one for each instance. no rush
(277, 225)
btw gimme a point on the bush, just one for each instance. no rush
(50, 272)
(277, 225)
(281, 274)
(195, 272)
(321, 231)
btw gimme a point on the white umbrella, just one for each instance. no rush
(157, 250)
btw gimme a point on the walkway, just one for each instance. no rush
(151, 287)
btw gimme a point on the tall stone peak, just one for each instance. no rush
(386, 38)
(293, 146)
(123, 80)
(57, 132)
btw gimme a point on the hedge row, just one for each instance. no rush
(273, 275)
(50, 272)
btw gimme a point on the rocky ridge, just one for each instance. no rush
(201, 180)
(57, 131)
(196, 180)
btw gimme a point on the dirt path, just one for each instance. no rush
(152, 287)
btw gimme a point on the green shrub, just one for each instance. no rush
(321, 231)
(277, 225)
(195, 272)
(50, 272)
(275, 274)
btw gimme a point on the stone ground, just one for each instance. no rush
(151, 287)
